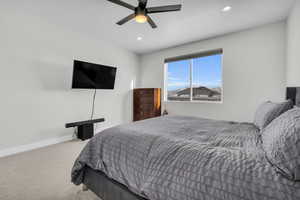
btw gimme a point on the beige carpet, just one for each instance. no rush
(42, 174)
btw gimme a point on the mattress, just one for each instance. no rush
(186, 158)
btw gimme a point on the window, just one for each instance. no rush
(196, 77)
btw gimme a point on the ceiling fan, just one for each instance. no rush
(141, 11)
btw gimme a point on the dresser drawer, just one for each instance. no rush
(144, 96)
(144, 106)
(144, 92)
(144, 101)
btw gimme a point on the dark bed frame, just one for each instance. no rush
(106, 188)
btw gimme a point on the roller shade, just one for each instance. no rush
(195, 55)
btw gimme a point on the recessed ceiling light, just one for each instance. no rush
(139, 38)
(226, 8)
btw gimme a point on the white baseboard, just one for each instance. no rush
(36, 145)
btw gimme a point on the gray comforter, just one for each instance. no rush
(186, 158)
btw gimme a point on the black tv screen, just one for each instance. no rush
(93, 76)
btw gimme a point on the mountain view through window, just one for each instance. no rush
(196, 79)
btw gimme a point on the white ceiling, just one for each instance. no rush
(199, 19)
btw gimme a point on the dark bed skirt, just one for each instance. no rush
(106, 188)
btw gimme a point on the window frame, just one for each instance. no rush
(190, 57)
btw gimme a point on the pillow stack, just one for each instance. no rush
(281, 143)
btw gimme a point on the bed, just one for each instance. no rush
(181, 158)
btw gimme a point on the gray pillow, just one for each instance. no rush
(269, 111)
(281, 143)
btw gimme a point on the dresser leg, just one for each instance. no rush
(84, 188)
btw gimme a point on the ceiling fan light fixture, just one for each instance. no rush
(141, 18)
(140, 13)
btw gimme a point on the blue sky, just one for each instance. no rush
(207, 71)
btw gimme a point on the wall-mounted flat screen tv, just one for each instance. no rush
(93, 76)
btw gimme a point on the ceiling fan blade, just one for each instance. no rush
(126, 19)
(143, 3)
(151, 22)
(122, 3)
(161, 9)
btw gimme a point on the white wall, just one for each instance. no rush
(293, 46)
(254, 71)
(36, 61)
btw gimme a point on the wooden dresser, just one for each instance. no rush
(146, 103)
